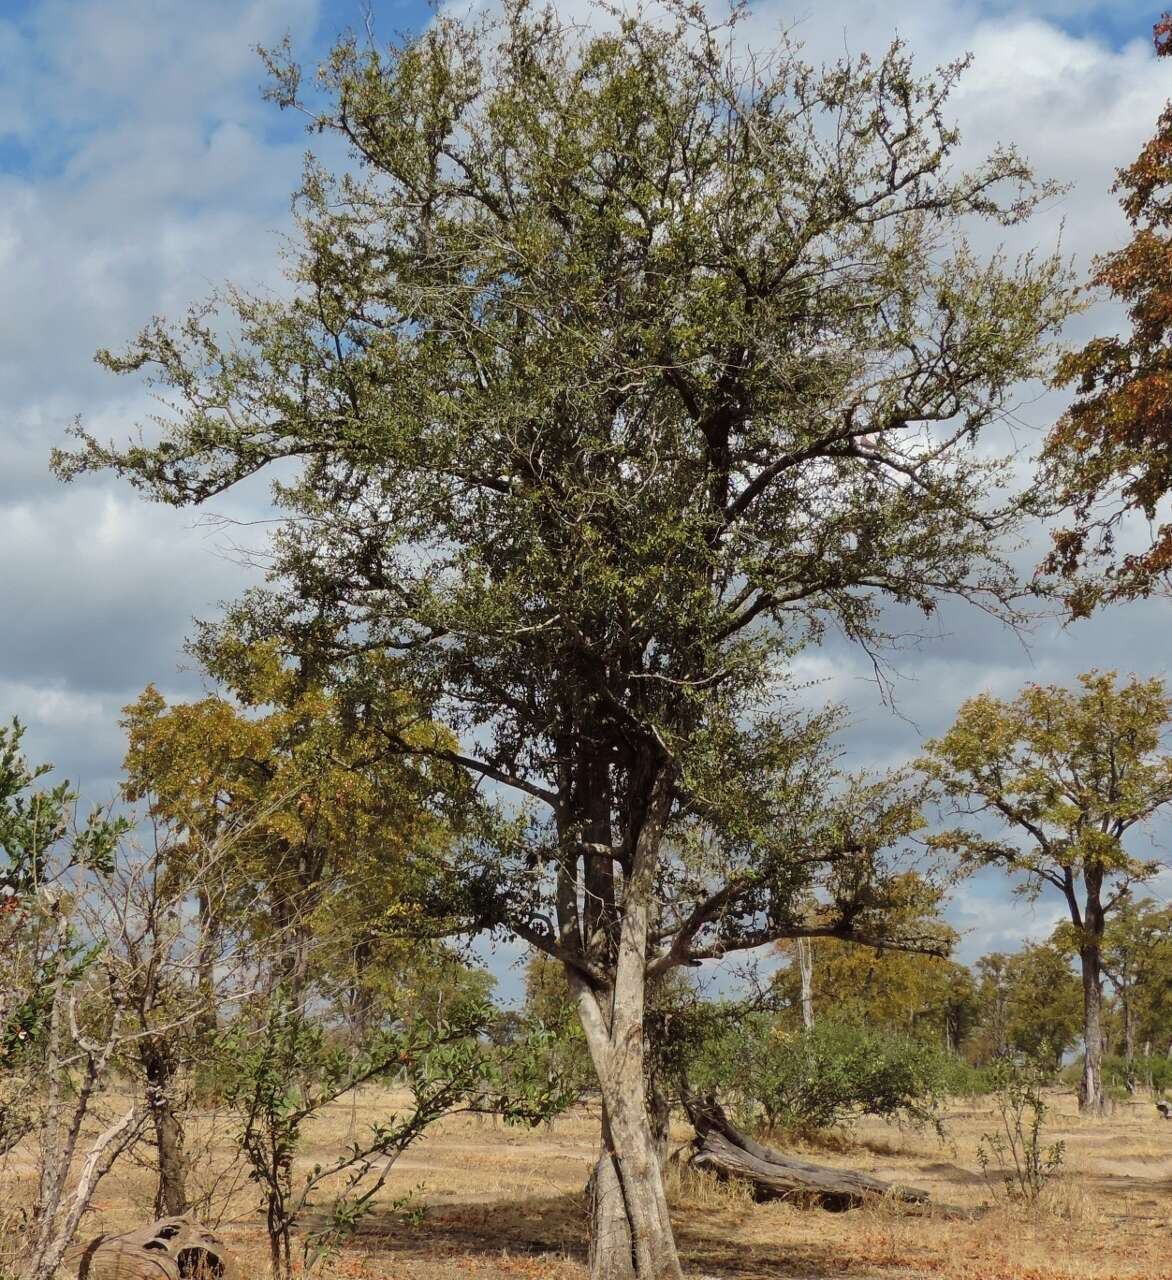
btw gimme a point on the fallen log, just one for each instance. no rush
(722, 1148)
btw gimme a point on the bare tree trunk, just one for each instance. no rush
(159, 1070)
(632, 1156)
(207, 1024)
(1128, 1044)
(806, 970)
(1090, 1094)
(611, 1256)
(659, 1112)
(613, 1022)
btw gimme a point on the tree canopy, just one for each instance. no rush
(619, 364)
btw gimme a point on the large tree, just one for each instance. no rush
(1064, 775)
(1109, 458)
(616, 367)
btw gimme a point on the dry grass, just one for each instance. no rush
(502, 1203)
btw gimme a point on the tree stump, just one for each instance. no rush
(169, 1249)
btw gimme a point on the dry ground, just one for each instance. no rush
(494, 1203)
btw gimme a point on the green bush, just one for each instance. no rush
(961, 1079)
(1154, 1072)
(814, 1079)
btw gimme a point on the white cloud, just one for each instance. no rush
(154, 173)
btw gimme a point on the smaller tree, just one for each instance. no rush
(152, 967)
(1015, 1154)
(1065, 775)
(284, 1070)
(57, 1051)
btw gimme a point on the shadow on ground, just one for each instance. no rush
(554, 1228)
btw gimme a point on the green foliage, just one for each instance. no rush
(616, 366)
(826, 1076)
(604, 395)
(964, 1079)
(37, 824)
(1068, 773)
(1017, 1156)
(549, 1014)
(1148, 1071)
(1031, 1005)
(44, 851)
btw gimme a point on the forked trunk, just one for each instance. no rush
(630, 1227)
(611, 1256)
(631, 1235)
(630, 1230)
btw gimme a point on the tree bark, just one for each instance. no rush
(729, 1153)
(806, 971)
(613, 1024)
(1090, 1095)
(611, 1256)
(659, 1111)
(159, 1069)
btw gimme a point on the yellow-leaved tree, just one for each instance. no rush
(1061, 778)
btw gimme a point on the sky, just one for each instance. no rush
(140, 168)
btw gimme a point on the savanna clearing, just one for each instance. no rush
(476, 1198)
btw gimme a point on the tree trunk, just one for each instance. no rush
(1090, 1094)
(611, 1256)
(721, 1147)
(207, 1024)
(613, 1024)
(1128, 1044)
(659, 1112)
(159, 1069)
(806, 970)
(636, 1164)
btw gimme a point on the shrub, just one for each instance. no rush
(1016, 1155)
(822, 1077)
(1154, 1072)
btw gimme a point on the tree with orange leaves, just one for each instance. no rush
(1109, 458)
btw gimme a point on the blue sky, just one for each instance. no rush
(139, 168)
